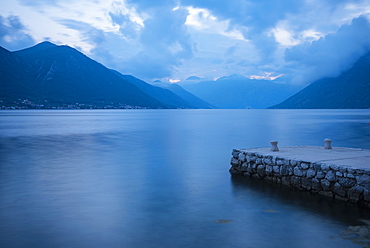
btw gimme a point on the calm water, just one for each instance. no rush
(159, 178)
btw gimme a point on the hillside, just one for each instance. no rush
(186, 95)
(166, 95)
(350, 90)
(13, 76)
(48, 75)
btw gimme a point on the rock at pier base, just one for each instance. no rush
(340, 173)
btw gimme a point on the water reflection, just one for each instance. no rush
(359, 234)
(302, 210)
(347, 213)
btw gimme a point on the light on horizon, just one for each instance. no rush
(173, 81)
(267, 76)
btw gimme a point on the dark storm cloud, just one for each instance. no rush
(333, 53)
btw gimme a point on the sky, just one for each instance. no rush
(299, 41)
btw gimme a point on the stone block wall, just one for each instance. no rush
(339, 182)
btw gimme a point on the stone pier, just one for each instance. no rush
(341, 173)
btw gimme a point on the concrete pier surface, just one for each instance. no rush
(341, 173)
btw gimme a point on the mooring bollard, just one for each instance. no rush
(274, 147)
(327, 143)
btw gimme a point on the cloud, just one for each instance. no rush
(149, 42)
(147, 5)
(38, 2)
(255, 14)
(177, 38)
(269, 25)
(127, 19)
(164, 44)
(13, 33)
(252, 18)
(89, 33)
(306, 40)
(129, 29)
(332, 54)
(167, 33)
(98, 42)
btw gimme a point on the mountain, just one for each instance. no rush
(232, 77)
(35, 49)
(13, 76)
(50, 75)
(350, 90)
(186, 95)
(166, 95)
(238, 92)
(192, 78)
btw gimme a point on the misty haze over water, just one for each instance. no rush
(159, 178)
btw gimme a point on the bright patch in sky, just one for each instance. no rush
(267, 76)
(203, 21)
(300, 41)
(284, 36)
(174, 80)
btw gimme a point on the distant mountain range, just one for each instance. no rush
(194, 78)
(239, 92)
(171, 94)
(47, 75)
(349, 90)
(186, 95)
(51, 76)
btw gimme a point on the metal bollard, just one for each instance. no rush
(274, 147)
(327, 143)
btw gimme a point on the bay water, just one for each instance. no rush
(159, 178)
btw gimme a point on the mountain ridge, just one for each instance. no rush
(349, 90)
(49, 76)
(238, 92)
(184, 94)
(52, 75)
(165, 94)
